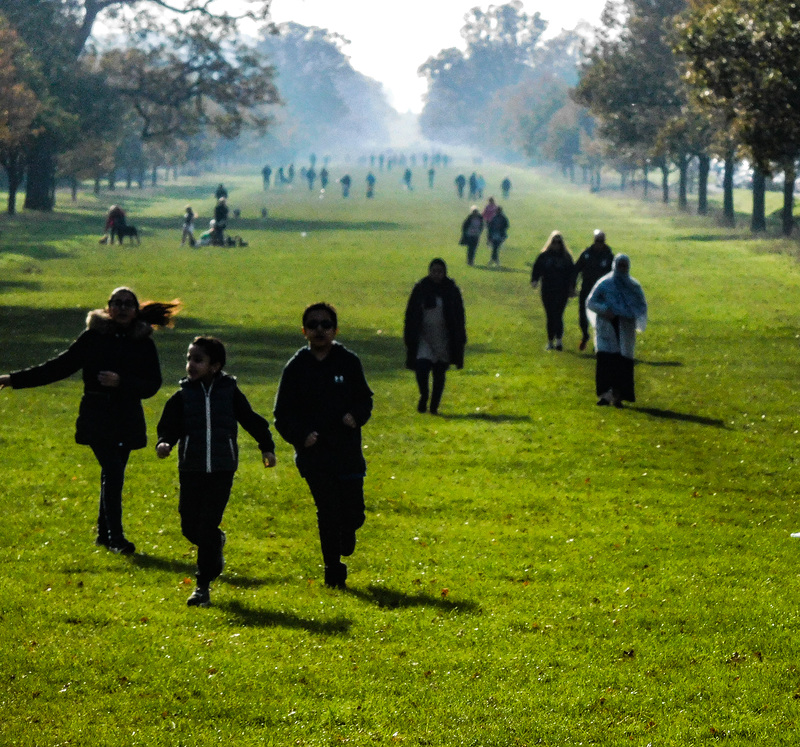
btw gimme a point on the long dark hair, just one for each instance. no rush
(154, 313)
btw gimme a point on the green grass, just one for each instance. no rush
(534, 570)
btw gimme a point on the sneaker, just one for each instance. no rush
(422, 405)
(200, 597)
(796, 535)
(550, 346)
(121, 546)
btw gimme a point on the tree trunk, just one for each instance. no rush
(154, 176)
(703, 170)
(758, 221)
(97, 185)
(73, 183)
(41, 190)
(788, 198)
(728, 213)
(665, 183)
(683, 172)
(646, 171)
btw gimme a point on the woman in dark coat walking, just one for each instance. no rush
(555, 268)
(435, 332)
(120, 367)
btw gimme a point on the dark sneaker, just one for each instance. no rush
(336, 577)
(121, 546)
(422, 405)
(200, 597)
(582, 346)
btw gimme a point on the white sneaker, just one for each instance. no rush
(796, 535)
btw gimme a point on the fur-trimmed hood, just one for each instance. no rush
(98, 320)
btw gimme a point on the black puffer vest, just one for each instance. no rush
(211, 428)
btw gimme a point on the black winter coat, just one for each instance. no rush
(454, 319)
(203, 420)
(315, 395)
(107, 414)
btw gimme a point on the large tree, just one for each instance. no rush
(57, 32)
(744, 59)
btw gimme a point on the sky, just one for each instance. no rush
(388, 42)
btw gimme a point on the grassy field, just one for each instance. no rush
(534, 570)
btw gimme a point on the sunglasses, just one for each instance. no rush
(312, 324)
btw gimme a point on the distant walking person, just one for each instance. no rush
(407, 179)
(554, 269)
(345, 181)
(434, 332)
(497, 231)
(505, 187)
(617, 308)
(323, 178)
(188, 227)
(322, 403)
(431, 177)
(370, 185)
(594, 262)
(460, 181)
(201, 417)
(471, 230)
(221, 192)
(120, 368)
(266, 173)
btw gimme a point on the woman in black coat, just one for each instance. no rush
(120, 367)
(435, 332)
(554, 267)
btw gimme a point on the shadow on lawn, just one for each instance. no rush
(391, 599)
(262, 618)
(255, 353)
(487, 417)
(686, 417)
(144, 560)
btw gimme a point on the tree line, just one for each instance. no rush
(164, 85)
(660, 86)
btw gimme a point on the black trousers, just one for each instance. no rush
(202, 502)
(113, 458)
(472, 247)
(340, 512)
(614, 371)
(554, 310)
(424, 368)
(583, 320)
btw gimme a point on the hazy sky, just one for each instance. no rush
(389, 41)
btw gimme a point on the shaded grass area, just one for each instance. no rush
(534, 570)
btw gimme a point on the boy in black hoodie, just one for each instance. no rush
(202, 416)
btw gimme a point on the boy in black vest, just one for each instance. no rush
(202, 416)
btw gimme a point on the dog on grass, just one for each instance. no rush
(122, 231)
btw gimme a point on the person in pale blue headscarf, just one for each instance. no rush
(617, 309)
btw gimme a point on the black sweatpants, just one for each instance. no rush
(554, 306)
(340, 512)
(202, 502)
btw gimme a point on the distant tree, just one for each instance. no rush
(326, 102)
(631, 81)
(57, 32)
(501, 45)
(744, 59)
(19, 108)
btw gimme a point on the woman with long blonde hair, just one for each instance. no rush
(553, 268)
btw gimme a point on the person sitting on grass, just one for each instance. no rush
(202, 416)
